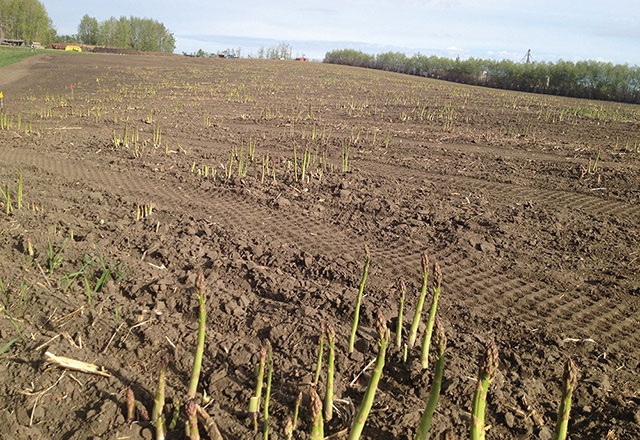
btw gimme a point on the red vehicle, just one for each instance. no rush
(302, 59)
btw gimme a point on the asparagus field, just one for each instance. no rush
(233, 249)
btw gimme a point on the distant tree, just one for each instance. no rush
(143, 34)
(88, 30)
(68, 39)
(151, 35)
(122, 37)
(282, 51)
(107, 32)
(25, 20)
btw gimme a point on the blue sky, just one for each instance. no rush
(571, 30)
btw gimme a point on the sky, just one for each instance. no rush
(570, 30)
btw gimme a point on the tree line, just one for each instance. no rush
(28, 20)
(582, 79)
(142, 34)
(25, 20)
(282, 51)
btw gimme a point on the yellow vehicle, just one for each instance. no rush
(73, 48)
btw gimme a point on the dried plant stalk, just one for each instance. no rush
(209, 423)
(73, 364)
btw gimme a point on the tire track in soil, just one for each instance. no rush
(606, 321)
(556, 199)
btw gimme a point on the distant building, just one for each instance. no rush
(10, 42)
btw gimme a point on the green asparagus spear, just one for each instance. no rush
(328, 398)
(569, 380)
(413, 332)
(426, 343)
(356, 315)
(365, 407)
(434, 393)
(487, 371)
(317, 426)
(197, 361)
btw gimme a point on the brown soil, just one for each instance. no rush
(539, 254)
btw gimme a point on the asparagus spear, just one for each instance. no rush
(158, 405)
(254, 401)
(413, 332)
(319, 363)
(328, 398)
(569, 380)
(356, 315)
(158, 402)
(297, 410)
(434, 393)
(487, 371)
(194, 434)
(403, 290)
(288, 428)
(197, 361)
(268, 392)
(131, 405)
(365, 407)
(317, 426)
(426, 343)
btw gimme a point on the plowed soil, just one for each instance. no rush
(530, 204)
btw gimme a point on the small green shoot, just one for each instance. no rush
(8, 345)
(55, 258)
(15, 324)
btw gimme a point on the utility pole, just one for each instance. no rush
(528, 56)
